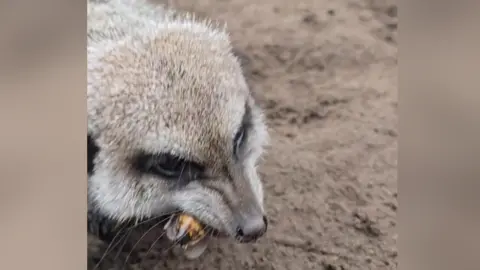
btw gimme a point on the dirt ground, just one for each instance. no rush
(326, 73)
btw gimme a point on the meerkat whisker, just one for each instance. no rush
(114, 244)
(111, 246)
(125, 240)
(154, 243)
(143, 235)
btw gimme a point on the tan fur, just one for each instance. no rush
(159, 81)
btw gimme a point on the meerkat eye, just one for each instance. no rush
(167, 165)
(238, 141)
(242, 133)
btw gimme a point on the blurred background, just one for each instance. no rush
(325, 71)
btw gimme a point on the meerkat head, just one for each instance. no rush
(173, 127)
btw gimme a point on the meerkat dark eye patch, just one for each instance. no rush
(168, 166)
(238, 141)
(242, 133)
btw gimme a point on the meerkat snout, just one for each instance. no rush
(172, 125)
(251, 227)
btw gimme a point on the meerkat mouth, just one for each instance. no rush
(176, 232)
(189, 233)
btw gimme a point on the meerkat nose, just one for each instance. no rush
(252, 228)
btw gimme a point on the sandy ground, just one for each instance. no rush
(326, 73)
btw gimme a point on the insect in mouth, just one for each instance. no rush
(185, 230)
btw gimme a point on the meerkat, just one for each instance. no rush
(172, 124)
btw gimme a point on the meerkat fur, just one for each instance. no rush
(164, 87)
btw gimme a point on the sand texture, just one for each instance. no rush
(326, 73)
